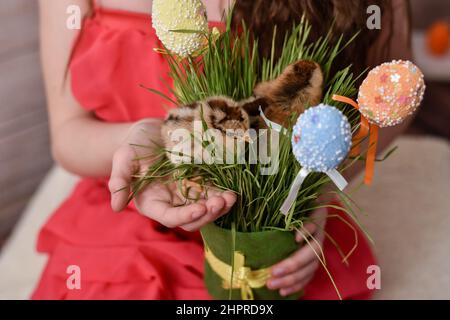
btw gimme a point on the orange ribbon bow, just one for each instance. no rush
(365, 129)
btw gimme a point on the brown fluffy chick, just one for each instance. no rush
(218, 112)
(300, 85)
(252, 106)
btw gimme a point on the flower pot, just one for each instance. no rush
(241, 272)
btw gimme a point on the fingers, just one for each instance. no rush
(300, 235)
(214, 208)
(228, 197)
(315, 227)
(217, 206)
(295, 288)
(123, 167)
(173, 217)
(164, 204)
(156, 202)
(296, 261)
(293, 279)
(293, 273)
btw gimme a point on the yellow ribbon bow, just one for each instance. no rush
(239, 276)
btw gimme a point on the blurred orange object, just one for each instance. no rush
(438, 38)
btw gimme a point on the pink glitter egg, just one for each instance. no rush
(391, 92)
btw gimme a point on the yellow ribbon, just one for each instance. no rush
(239, 276)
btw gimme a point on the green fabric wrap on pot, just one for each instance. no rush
(259, 250)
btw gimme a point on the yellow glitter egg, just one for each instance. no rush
(180, 25)
(391, 92)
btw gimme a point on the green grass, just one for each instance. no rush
(231, 66)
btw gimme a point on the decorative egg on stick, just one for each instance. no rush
(321, 140)
(388, 95)
(391, 92)
(180, 25)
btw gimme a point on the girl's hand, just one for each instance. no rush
(165, 204)
(294, 273)
(160, 202)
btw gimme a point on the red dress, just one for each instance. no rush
(126, 255)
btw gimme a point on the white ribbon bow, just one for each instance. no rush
(333, 174)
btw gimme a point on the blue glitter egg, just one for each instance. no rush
(321, 138)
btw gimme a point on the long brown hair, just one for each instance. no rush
(347, 17)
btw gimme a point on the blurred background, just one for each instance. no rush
(24, 141)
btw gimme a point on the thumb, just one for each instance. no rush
(123, 167)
